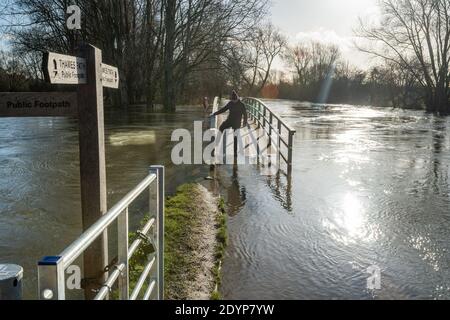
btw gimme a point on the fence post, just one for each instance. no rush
(51, 277)
(122, 243)
(159, 171)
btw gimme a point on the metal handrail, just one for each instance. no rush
(273, 130)
(214, 122)
(264, 117)
(142, 279)
(278, 118)
(51, 270)
(71, 253)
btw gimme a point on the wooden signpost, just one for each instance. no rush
(87, 71)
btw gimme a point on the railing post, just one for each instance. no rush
(264, 117)
(122, 242)
(290, 151)
(159, 242)
(270, 128)
(213, 122)
(252, 104)
(51, 280)
(259, 115)
(279, 142)
(248, 108)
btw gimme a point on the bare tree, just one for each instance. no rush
(13, 75)
(299, 57)
(415, 35)
(312, 62)
(251, 59)
(323, 60)
(197, 31)
(160, 46)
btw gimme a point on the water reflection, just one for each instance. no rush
(281, 188)
(369, 187)
(235, 194)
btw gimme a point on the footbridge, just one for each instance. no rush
(273, 137)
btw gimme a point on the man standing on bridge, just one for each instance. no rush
(237, 113)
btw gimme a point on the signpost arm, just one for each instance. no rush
(93, 167)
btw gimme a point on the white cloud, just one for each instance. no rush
(325, 37)
(346, 44)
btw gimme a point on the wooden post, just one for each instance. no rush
(91, 75)
(93, 167)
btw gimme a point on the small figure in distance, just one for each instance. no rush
(206, 104)
(238, 112)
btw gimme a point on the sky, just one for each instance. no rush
(331, 21)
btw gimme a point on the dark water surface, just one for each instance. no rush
(370, 187)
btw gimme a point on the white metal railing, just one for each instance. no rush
(51, 270)
(214, 123)
(272, 124)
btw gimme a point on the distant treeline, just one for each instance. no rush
(177, 51)
(321, 76)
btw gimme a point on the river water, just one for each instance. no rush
(40, 211)
(370, 191)
(370, 188)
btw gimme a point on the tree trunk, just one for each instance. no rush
(169, 93)
(437, 100)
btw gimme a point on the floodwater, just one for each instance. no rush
(370, 191)
(40, 211)
(370, 188)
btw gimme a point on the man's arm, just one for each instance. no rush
(223, 110)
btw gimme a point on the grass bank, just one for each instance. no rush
(195, 241)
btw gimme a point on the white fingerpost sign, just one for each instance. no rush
(110, 76)
(63, 69)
